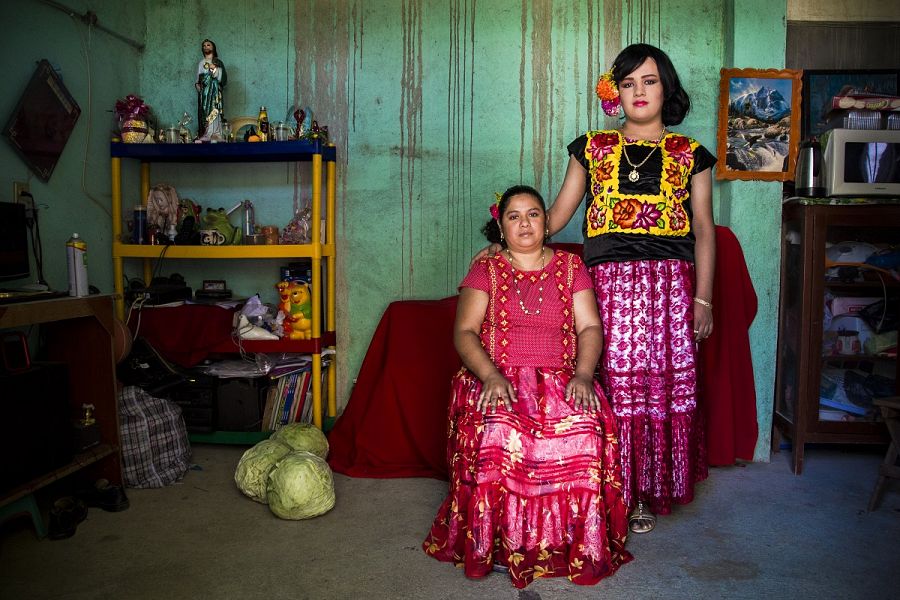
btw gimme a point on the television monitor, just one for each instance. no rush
(42, 121)
(13, 242)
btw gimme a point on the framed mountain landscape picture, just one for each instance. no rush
(759, 124)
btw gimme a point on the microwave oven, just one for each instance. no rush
(862, 162)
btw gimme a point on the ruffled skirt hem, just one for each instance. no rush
(575, 555)
(537, 489)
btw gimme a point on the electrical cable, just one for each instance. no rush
(90, 19)
(878, 271)
(37, 247)
(139, 302)
(157, 268)
(86, 50)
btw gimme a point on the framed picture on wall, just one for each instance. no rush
(759, 124)
(821, 86)
(42, 121)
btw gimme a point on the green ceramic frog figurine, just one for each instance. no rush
(218, 219)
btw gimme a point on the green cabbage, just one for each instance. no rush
(303, 436)
(300, 486)
(253, 469)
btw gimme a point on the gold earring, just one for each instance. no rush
(501, 235)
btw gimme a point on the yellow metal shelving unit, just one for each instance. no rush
(323, 159)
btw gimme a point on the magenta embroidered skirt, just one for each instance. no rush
(649, 374)
(536, 488)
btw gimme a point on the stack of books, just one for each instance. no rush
(289, 398)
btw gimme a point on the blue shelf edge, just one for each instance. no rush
(291, 151)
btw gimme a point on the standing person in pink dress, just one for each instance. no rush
(535, 486)
(649, 245)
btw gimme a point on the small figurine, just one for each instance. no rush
(162, 209)
(211, 79)
(218, 219)
(87, 417)
(300, 319)
(303, 117)
(294, 310)
(284, 297)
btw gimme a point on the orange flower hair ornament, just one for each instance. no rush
(608, 92)
(495, 207)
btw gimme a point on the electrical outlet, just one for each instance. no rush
(18, 188)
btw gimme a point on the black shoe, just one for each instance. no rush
(65, 515)
(110, 498)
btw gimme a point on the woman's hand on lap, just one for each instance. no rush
(580, 391)
(495, 390)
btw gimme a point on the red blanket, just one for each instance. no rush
(725, 381)
(395, 423)
(184, 334)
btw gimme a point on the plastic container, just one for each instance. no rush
(76, 260)
(262, 125)
(139, 233)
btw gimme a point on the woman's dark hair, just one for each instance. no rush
(491, 229)
(676, 102)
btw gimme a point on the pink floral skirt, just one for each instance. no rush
(536, 488)
(649, 372)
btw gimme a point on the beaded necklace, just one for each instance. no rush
(540, 287)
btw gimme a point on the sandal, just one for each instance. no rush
(641, 520)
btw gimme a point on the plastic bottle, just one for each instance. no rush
(262, 125)
(76, 259)
(139, 234)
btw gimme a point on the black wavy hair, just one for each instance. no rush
(491, 229)
(676, 102)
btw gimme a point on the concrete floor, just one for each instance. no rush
(753, 532)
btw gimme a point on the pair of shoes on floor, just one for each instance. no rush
(110, 498)
(65, 515)
(641, 520)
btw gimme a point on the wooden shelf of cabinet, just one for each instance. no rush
(78, 332)
(321, 248)
(808, 227)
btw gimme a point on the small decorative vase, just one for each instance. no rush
(134, 130)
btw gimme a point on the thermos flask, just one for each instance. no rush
(809, 176)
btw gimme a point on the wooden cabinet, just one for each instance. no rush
(832, 361)
(322, 157)
(77, 332)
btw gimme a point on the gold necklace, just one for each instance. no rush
(540, 287)
(633, 176)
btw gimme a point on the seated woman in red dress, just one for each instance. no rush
(535, 485)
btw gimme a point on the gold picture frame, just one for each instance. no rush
(759, 124)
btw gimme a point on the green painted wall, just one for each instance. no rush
(433, 105)
(96, 69)
(753, 208)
